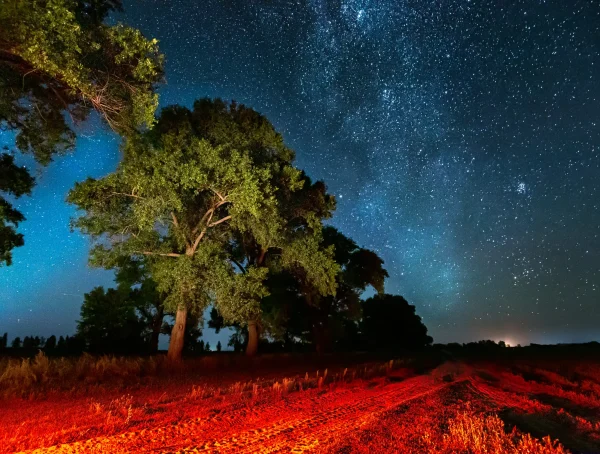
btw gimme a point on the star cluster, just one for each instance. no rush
(460, 137)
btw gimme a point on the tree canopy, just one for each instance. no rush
(58, 57)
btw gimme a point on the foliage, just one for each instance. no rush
(134, 279)
(58, 56)
(14, 181)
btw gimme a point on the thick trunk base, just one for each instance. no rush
(177, 336)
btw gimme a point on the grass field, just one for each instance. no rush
(284, 404)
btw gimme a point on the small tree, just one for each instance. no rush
(219, 346)
(109, 323)
(207, 347)
(61, 344)
(28, 342)
(4, 341)
(50, 343)
(16, 342)
(134, 280)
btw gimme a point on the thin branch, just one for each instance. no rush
(169, 254)
(176, 224)
(242, 269)
(218, 195)
(226, 218)
(208, 213)
(198, 239)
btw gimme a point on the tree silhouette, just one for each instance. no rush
(50, 343)
(28, 342)
(109, 323)
(61, 345)
(16, 342)
(389, 323)
(4, 341)
(134, 279)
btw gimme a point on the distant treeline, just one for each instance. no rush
(494, 350)
(52, 346)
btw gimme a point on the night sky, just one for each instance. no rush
(461, 139)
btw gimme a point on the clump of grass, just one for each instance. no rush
(41, 375)
(25, 377)
(485, 434)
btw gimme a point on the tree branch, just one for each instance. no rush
(219, 195)
(242, 269)
(208, 213)
(176, 224)
(226, 218)
(168, 254)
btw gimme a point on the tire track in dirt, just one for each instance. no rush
(309, 434)
(297, 423)
(316, 426)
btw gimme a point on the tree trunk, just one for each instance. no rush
(177, 335)
(156, 327)
(252, 346)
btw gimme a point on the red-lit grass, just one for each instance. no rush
(104, 410)
(372, 408)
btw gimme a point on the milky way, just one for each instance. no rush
(461, 139)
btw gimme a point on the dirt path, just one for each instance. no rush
(299, 422)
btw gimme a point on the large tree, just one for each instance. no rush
(58, 62)
(180, 192)
(296, 244)
(58, 57)
(326, 321)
